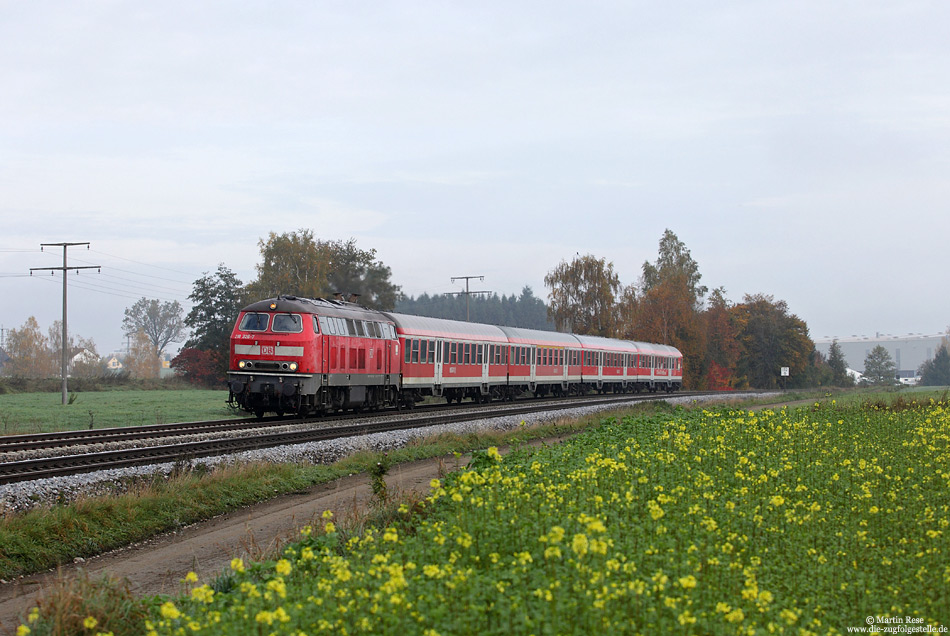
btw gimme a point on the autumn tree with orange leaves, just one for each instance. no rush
(724, 346)
(668, 308)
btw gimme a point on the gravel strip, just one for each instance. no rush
(22, 496)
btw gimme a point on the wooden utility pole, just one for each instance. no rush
(467, 292)
(65, 270)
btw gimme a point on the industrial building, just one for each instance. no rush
(908, 351)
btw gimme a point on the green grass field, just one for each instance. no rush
(44, 412)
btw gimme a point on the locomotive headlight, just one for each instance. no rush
(293, 366)
(242, 364)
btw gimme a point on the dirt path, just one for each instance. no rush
(159, 565)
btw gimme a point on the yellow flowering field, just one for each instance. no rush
(708, 521)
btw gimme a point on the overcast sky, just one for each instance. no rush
(799, 149)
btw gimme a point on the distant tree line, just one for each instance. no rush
(725, 345)
(527, 310)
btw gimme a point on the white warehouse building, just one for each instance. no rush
(908, 352)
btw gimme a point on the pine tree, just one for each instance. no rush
(879, 369)
(936, 372)
(839, 367)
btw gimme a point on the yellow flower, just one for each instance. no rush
(169, 611)
(204, 594)
(688, 582)
(283, 567)
(580, 544)
(735, 616)
(191, 577)
(237, 565)
(265, 617)
(435, 483)
(494, 454)
(90, 622)
(22, 630)
(329, 528)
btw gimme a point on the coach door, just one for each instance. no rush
(534, 366)
(437, 371)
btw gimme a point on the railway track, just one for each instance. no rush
(302, 431)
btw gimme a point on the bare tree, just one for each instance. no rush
(162, 323)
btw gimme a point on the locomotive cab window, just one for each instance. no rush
(254, 322)
(287, 323)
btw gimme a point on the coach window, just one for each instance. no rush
(423, 351)
(453, 353)
(431, 357)
(415, 351)
(254, 322)
(481, 353)
(408, 347)
(316, 325)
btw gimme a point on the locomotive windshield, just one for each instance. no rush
(287, 323)
(254, 322)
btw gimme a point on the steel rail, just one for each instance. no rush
(25, 470)
(62, 439)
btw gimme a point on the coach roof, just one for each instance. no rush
(440, 328)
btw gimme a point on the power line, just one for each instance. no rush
(467, 293)
(121, 258)
(109, 291)
(65, 269)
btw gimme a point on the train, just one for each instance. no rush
(306, 356)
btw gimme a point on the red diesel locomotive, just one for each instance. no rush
(304, 356)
